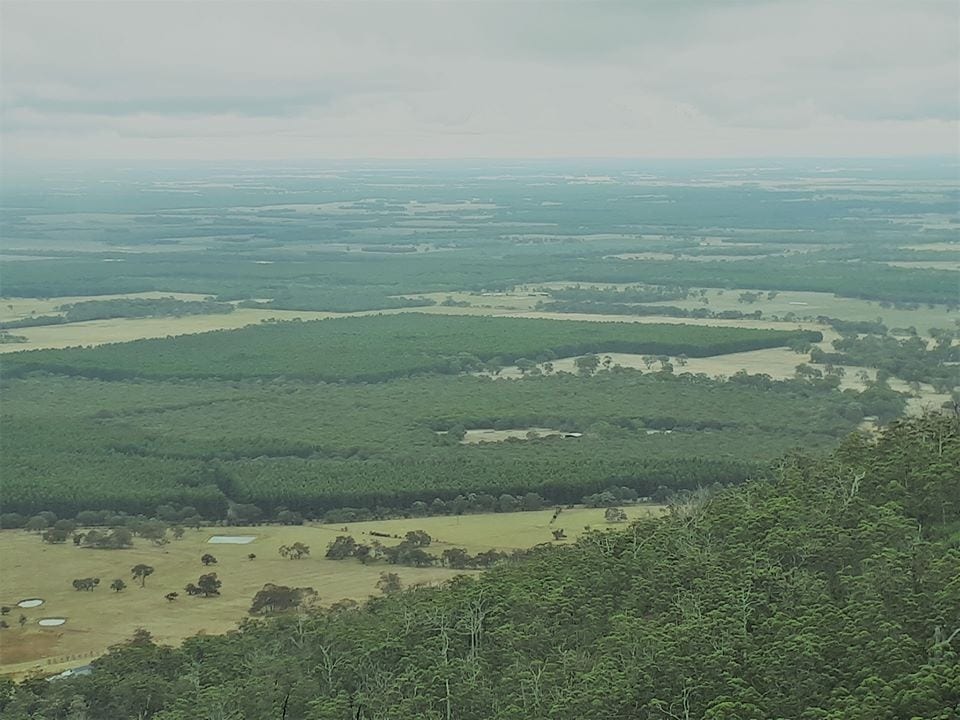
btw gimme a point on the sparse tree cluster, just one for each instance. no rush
(296, 551)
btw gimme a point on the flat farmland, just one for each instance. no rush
(95, 620)
(118, 330)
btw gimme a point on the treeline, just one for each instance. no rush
(377, 348)
(410, 551)
(863, 327)
(632, 294)
(474, 482)
(825, 590)
(123, 308)
(9, 338)
(606, 308)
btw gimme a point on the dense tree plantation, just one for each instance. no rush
(382, 347)
(827, 589)
(73, 444)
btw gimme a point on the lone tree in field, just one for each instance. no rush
(363, 553)
(389, 583)
(615, 515)
(279, 598)
(141, 572)
(252, 556)
(118, 585)
(5, 610)
(587, 364)
(208, 585)
(419, 538)
(208, 559)
(296, 551)
(36, 524)
(341, 548)
(171, 596)
(456, 558)
(87, 584)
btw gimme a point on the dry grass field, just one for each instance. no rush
(802, 304)
(100, 332)
(23, 308)
(95, 620)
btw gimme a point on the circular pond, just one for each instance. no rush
(30, 603)
(51, 622)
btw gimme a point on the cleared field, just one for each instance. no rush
(95, 620)
(22, 308)
(101, 332)
(813, 304)
(482, 435)
(932, 264)
(938, 246)
(828, 334)
(776, 362)
(801, 304)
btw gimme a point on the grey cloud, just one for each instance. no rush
(564, 78)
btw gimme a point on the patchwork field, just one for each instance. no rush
(97, 619)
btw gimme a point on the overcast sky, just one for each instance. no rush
(646, 78)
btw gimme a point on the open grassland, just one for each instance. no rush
(814, 304)
(118, 330)
(98, 619)
(15, 308)
(804, 307)
(932, 264)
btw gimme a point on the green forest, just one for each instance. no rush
(828, 588)
(72, 443)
